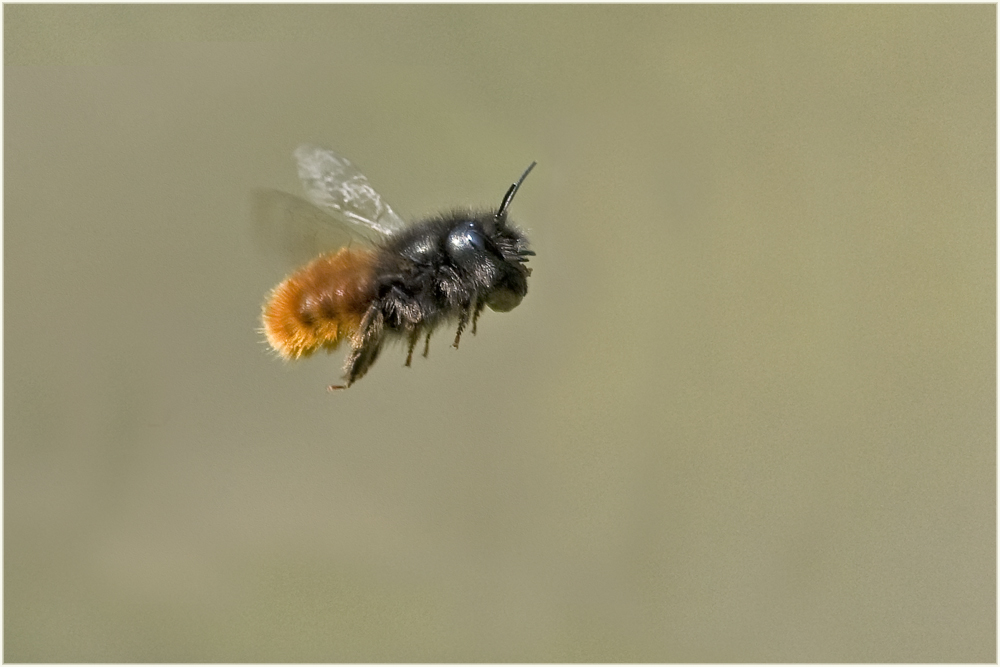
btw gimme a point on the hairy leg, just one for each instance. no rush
(462, 321)
(366, 344)
(412, 343)
(480, 304)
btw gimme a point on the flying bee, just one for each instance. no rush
(401, 282)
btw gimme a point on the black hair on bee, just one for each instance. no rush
(413, 280)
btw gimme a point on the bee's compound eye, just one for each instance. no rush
(464, 240)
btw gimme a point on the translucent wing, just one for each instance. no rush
(336, 185)
(298, 231)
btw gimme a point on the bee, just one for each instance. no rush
(401, 282)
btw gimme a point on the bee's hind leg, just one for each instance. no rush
(366, 344)
(358, 362)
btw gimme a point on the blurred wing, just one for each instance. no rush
(336, 185)
(298, 231)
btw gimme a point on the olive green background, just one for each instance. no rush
(747, 411)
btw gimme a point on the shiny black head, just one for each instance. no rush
(492, 253)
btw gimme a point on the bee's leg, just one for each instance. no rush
(414, 335)
(475, 316)
(462, 321)
(358, 362)
(473, 309)
(366, 344)
(427, 344)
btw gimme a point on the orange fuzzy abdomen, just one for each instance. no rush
(320, 304)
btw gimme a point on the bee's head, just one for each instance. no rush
(494, 253)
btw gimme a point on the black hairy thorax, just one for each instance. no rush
(446, 266)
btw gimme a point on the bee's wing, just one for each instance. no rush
(336, 185)
(298, 231)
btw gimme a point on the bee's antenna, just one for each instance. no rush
(502, 211)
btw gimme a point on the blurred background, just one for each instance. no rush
(747, 411)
